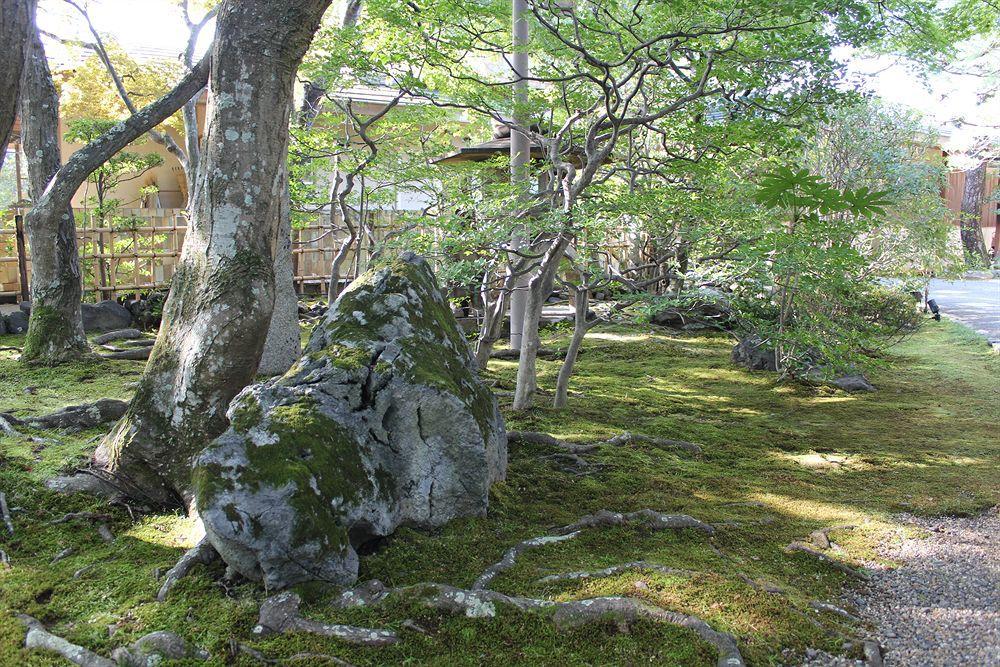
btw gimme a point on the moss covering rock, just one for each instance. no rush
(383, 422)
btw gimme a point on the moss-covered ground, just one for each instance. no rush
(779, 462)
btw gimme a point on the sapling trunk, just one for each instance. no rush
(580, 328)
(538, 290)
(494, 305)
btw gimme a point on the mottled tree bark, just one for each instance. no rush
(15, 35)
(283, 343)
(55, 331)
(222, 295)
(970, 227)
(580, 328)
(539, 288)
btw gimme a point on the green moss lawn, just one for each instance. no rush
(779, 462)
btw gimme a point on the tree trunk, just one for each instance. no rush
(580, 329)
(283, 343)
(55, 331)
(972, 210)
(49, 327)
(538, 290)
(222, 294)
(15, 36)
(493, 312)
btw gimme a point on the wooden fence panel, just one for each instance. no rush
(123, 259)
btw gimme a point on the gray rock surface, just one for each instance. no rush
(383, 422)
(703, 309)
(755, 354)
(853, 383)
(17, 322)
(152, 649)
(105, 316)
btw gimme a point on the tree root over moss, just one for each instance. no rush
(161, 644)
(479, 603)
(309, 658)
(39, 637)
(203, 552)
(650, 519)
(843, 567)
(280, 614)
(623, 439)
(74, 417)
(613, 570)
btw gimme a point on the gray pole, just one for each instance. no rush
(520, 151)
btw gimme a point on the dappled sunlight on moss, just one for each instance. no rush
(167, 530)
(779, 461)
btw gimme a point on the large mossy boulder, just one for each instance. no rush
(383, 422)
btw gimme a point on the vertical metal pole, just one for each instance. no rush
(520, 153)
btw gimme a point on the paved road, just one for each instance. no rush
(975, 303)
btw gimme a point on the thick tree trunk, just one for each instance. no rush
(283, 343)
(55, 331)
(15, 36)
(972, 210)
(580, 329)
(538, 290)
(221, 299)
(49, 327)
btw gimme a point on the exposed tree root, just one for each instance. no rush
(638, 438)
(846, 569)
(651, 519)
(75, 417)
(5, 511)
(105, 532)
(280, 614)
(65, 553)
(39, 637)
(6, 426)
(203, 552)
(543, 353)
(137, 354)
(88, 516)
(536, 438)
(613, 570)
(120, 334)
(761, 585)
(625, 438)
(152, 649)
(479, 603)
(821, 538)
(311, 658)
(833, 609)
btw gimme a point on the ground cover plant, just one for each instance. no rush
(779, 460)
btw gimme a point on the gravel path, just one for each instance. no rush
(941, 607)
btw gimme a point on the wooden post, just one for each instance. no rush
(22, 256)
